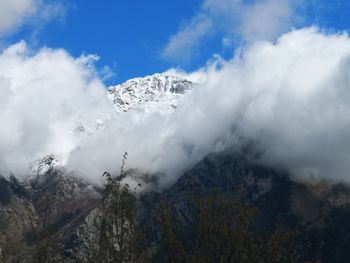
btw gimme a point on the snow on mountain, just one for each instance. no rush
(46, 164)
(157, 93)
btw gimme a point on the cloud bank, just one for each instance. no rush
(290, 96)
(43, 96)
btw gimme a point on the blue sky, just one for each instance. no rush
(131, 37)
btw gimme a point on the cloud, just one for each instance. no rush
(289, 96)
(182, 46)
(247, 20)
(267, 19)
(14, 13)
(43, 96)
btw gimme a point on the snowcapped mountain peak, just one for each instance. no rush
(155, 93)
(46, 164)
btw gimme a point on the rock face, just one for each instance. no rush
(16, 217)
(45, 209)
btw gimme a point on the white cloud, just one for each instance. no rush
(14, 13)
(290, 97)
(267, 19)
(43, 95)
(107, 73)
(182, 46)
(248, 20)
(227, 42)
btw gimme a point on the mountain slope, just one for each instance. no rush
(320, 212)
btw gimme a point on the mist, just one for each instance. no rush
(43, 96)
(290, 96)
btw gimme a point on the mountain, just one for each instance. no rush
(159, 93)
(69, 212)
(30, 211)
(54, 216)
